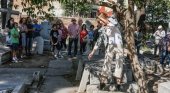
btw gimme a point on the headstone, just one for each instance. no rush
(19, 89)
(79, 70)
(5, 54)
(133, 88)
(91, 88)
(46, 28)
(47, 45)
(84, 81)
(99, 91)
(38, 45)
(45, 33)
(94, 79)
(164, 87)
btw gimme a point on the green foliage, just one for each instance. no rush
(36, 7)
(76, 7)
(73, 7)
(158, 11)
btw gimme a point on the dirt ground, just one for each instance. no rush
(34, 61)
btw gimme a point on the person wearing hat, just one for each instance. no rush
(159, 34)
(73, 32)
(112, 39)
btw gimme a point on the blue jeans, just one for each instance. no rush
(28, 45)
(163, 55)
(71, 41)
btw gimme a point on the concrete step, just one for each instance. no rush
(5, 54)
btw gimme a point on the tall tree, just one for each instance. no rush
(128, 17)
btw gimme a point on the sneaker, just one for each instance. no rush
(14, 60)
(167, 67)
(55, 56)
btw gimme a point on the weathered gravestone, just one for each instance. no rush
(5, 54)
(164, 87)
(45, 33)
(91, 76)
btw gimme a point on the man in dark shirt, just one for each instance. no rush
(29, 36)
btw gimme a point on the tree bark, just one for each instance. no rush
(129, 25)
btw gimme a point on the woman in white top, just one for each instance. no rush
(159, 34)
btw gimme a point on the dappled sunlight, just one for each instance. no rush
(3, 82)
(65, 90)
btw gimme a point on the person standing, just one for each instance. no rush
(29, 36)
(159, 34)
(83, 39)
(55, 40)
(64, 35)
(23, 31)
(138, 39)
(15, 42)
(96, 32)
(9, 26)
(91, 37)
(73, 31)
(112, 39)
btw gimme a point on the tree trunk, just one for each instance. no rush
(130, 24)
(129, 37)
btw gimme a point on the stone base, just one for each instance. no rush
(91, 88)
(99, 91)
(94, 79)
(5, 54)
(164, 87)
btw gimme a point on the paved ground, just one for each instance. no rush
(59, 73)
(10, 78)
(34, 61)
(56, 81)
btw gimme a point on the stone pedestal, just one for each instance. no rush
(91, 88)
(5, 54)
(94, 79)
(164, 87)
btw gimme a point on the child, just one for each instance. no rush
(55, 40)
(83, 39)
(91, 37)
(15, 41)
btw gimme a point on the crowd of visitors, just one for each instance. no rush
(161, 44)
(21, 37)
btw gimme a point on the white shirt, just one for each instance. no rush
(159, 34)
(116, 38)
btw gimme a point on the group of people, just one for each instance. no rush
(21, 36)
(161, 43)
(77, 34)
